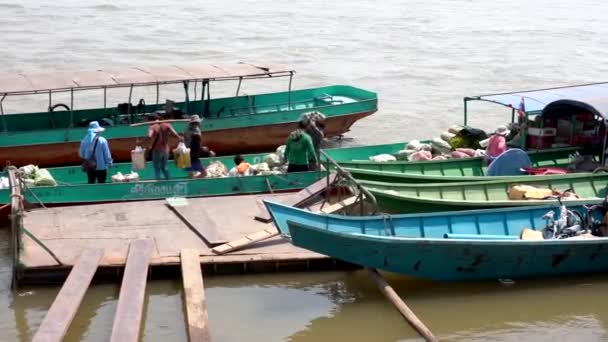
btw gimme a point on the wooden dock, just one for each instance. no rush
(200, 225)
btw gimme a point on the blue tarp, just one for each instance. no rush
(592, 97)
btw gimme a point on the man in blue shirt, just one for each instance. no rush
(94, 146)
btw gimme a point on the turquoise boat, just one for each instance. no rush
(243, 123)
(447, 246)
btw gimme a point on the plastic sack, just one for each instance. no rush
(404, 154)
(261, 167)
(281, 153)
(272, 160)
(413, 145)
(420, 155)
(455, 129)
(468, 151)
(4, 184)
(28, 171)
(43, 178)
(138, 158)
(217, 169)
(479, 153)
(440, 157)
(440, 146)
(447, 136)
(383, 158)
(459, 155)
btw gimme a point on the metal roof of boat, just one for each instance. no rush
(592, 96)
(23, 83)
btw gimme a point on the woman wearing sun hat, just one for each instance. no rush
(192, 139)
(95, 152)
(497, 143)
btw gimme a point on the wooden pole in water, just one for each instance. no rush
(400, 305)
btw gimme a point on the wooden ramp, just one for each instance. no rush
(127, 320)
(59, 317)
(332, 208)
(246, 241)
(198, 220)
(298, 198)
(194, 293)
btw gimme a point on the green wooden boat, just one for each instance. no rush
(451, 170)
(72, 185)
(414, 198)
(235, 124)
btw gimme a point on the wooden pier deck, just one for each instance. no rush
(68, 231)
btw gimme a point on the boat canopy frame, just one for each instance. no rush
(590, 97)
(21, 84)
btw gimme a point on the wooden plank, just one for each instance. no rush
(59, 317)
(194, 292)
(338, 205)
(198, 220)
(296, 199)
(129, 311)
(246, 241)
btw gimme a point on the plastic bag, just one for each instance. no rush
(272, 160)
(181, 156)
(4, 184)
(138, 158)
(281, 153)
(413, 145)
(459, 155)
(383, 158)
(261, 167)
(43, 177)
(404, 154)
(29, 171)
(468, 151)
(118, 178)
(440, 146)
(447, 136)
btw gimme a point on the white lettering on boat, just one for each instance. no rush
(160, 190)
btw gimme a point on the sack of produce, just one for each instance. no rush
(217, 169)
(383, 158)
(281, 153)
(28, 171)
(272, 160)
(440, 146)
(480, 153)
(404, 154)
(455, 129)
(138, 158)
(4, 183)
(181, 155)
(259, 168)
(458, 155)
(118, 178)
(413, 145)
(420, 155)
(43, 177)
(132, 177)
(468, 151)
(523, 192)
(447, 136)
(440, 157)
(426, 147)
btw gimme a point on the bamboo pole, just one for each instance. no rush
(400, 305)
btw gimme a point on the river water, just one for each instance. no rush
(421, 57)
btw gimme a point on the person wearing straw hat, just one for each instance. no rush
(95, 152)
(193, 139)
(497, 143)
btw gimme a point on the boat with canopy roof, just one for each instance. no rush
(238, 124)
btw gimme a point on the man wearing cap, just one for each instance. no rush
(94, 150)
(159, 133)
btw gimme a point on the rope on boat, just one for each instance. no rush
(41, 244)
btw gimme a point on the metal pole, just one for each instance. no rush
(289, 93)
(512, 115)
(157, 94)
(71, 108)
(203, 98)
(4, 128)
(238, 88)
(50, 100)
(603, 159)
(208, 103)
(186, 88)
(465, 110)
(105, 98)
(195, 83)
(129, 105)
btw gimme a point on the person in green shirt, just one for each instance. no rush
(299, 150)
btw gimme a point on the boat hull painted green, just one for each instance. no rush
(412, 198)
(232, 127)
(414, 245)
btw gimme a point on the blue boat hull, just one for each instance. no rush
(415, 245)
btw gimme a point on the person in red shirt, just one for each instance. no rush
(159, 134)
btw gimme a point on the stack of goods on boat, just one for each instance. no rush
(34, 176)
(529, 192)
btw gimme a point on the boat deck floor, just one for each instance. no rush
(68, 231)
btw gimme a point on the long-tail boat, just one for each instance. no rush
(446, 246)
(243, 123)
